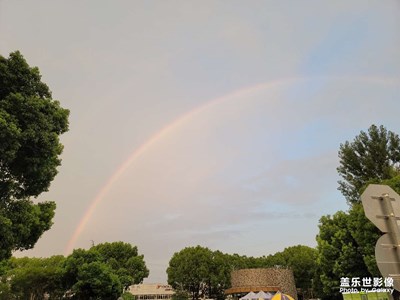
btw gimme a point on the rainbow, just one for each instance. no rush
(138, 152)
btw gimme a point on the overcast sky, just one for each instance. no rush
(213, 123)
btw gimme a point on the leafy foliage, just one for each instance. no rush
(365, 235)
(338, 253)
(104, 270)
(301, 260)
(123, 258)
(31, 278)
(180, 295)
(198, 272)
(189, 270)
(85, 274)
(30, 125)
(371, 156)
(127, 296)
(346, 240)
(22, 223)
(96, 280)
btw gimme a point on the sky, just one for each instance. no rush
(212, 123)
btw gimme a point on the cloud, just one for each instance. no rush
(250, 174)
(212, 174)
(294, 181)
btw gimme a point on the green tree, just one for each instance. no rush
(31, 278)
(237, 262)
(123, 258)
(301, 260)
(371, 156)
(346, 241)
(30, 125)
(96, 280)
(180, 295)
(220, 275)
(198, 272)
(104, 270)
(189, 270)
(5, 289)
(338, 253)
(365, 232)
(365, 235)
(379, 155)
(127, 296)
(74, 262)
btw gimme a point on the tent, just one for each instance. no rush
(250, 296)
(263, 296)
(280, 296)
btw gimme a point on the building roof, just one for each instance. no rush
(151, 289)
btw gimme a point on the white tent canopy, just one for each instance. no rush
(250, 296)
(259, 296)
(263, 295)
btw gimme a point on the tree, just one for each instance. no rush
(371, 156)
(123, 258)
(338, 254)
(346, 241)
(96, 280)
(74, 262)
(104, 270)
(198, 272)
(5, 290)
(365, 235)
(220, 275)
(189, 270)
(301, 260)
(101, 272)
(180, 295)
(31, 278)
(30, 125)
(127, 296)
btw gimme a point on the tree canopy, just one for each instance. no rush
(102, 272)
(30, 125)
(199, 272)
(190, 270)
(346, 240)
(31, 278)
(124, 260)
(301, 260)
(338, 253)
(373, 155)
